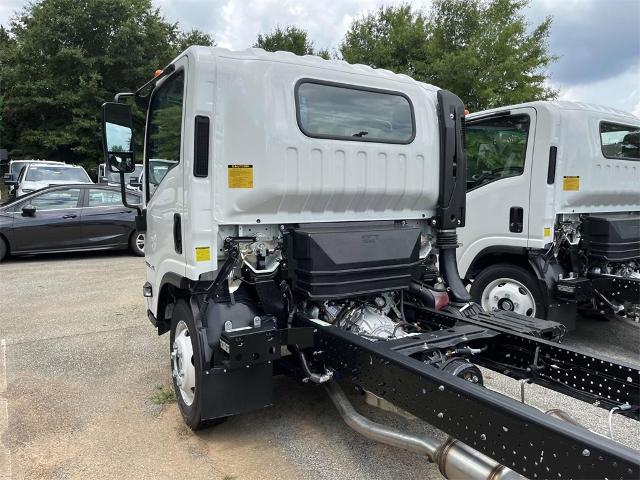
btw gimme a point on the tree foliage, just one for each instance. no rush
(61, 59)
(484, 51)
(194, 37)
(289, 39)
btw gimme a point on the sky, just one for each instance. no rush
(598, 41)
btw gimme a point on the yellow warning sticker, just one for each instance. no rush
(571, 184)
(547, 231)
(240, 176)
(203, 254)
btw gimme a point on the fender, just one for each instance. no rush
(557, 310)
(546, 276)
(477, 264)
(171, 285)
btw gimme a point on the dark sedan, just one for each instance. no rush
(70, 218)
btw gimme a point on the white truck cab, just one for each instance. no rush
(553, 201)
(300, 219)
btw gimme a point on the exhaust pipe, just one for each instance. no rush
(455, 459)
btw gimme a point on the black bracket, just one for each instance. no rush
(244, 347)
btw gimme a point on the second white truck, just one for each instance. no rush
(553, 210)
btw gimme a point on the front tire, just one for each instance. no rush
(187, 367)
(508, 288)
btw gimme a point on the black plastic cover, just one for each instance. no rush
(347, 260)
(201, 147)
(453, 171)
(613, 237)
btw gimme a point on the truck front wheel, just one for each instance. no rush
(187, 367)
(509, 288)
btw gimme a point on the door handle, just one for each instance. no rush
(177, 233)
(71, 215)
(516, 219)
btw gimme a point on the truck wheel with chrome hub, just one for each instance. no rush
(187, 366)
(183, 368)
(508, 288)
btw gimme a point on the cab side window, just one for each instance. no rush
(620, 141)
(164, 130)
(495, 148)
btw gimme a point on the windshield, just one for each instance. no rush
(52, 173)
(113, 177)
(16, 167)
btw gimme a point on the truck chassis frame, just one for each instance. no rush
(517, 435)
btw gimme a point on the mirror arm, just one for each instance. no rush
(121, 95)
(123, 194)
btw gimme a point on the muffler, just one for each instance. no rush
(456, 460)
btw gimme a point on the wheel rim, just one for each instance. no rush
(509, 295)
(140, 242)
(183, 364)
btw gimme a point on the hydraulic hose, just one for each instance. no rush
(423, 293)
(313, 377)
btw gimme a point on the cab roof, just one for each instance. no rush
(564, 105)
(305, 60)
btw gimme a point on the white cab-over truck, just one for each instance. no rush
(293, 229)
(553, 210)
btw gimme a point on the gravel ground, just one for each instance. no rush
(83, 367)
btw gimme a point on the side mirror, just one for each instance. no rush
(28, 210)
(11, 183)
(8, 177)
(117, 137)
(103, 180)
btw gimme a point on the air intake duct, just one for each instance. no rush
(447, 243)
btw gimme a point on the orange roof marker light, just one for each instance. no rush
(157, 73)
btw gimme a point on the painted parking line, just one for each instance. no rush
(5, 454)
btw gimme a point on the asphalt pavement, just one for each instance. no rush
(81, 370)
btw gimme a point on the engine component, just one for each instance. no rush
(261, 256)
(332, 261)
(370, 322)
(463, 369)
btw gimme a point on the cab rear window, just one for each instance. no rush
(348, 112)
(620, 141)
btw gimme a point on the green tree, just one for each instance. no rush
(393, 38)
(484, 51)
(65, 58)
(289, 39)
(194, 37)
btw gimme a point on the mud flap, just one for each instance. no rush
(231, 392)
